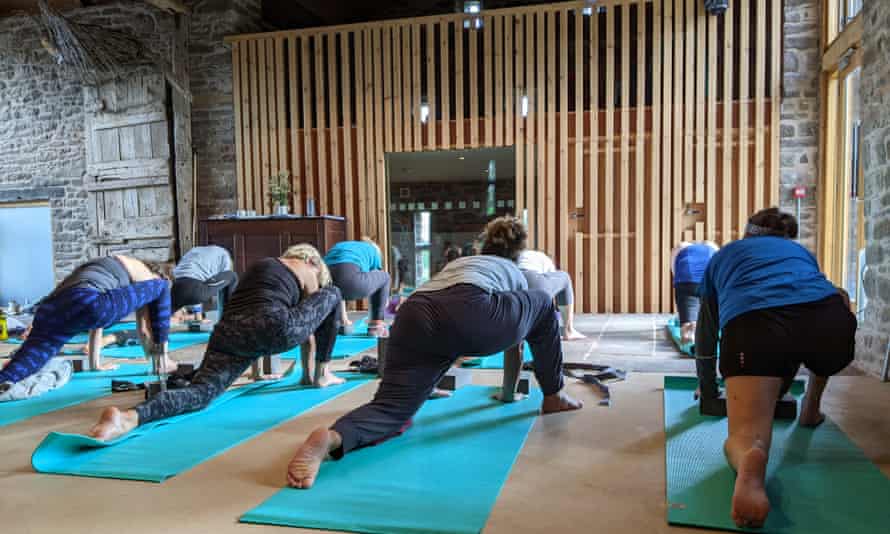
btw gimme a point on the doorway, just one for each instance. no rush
(440, 201)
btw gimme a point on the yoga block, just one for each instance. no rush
(381, 354)
(786, 407)
(271, 365)
(80, 363)
(456, 378)
(524, 384)
(152, 389)
(712, 406)
(184, 368)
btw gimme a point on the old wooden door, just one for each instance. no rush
(128, 167)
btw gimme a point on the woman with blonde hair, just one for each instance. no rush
(357, 270)
(280, 304)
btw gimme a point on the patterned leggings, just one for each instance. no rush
(58, 319)
(241, 338)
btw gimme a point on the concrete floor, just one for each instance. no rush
(596, 469)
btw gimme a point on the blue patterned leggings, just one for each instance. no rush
(58, 319)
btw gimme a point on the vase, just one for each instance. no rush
(281, 209)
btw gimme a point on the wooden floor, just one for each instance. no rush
(596, 470)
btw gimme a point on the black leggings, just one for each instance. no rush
(190, 291)
(239, 339)
(688, 302)
(356, 285)
(431, 331)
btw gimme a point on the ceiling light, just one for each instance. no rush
(424, 113)
(525, 106)
(472, 7)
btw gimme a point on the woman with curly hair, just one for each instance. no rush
(279, 305)
(476, 305)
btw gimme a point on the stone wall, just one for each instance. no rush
(799, 143)
(874, 326)
(213, 119)
(42, 151)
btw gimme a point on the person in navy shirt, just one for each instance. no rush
(776, 311)
(688, 264)
(357, 270)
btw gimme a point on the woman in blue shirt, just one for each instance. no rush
(357, 270)
(688, 264)
(776, 311)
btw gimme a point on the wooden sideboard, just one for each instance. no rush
(255, 238)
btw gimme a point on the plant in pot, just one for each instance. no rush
(279, 190)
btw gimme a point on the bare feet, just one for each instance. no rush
(572, 335)
(114, 423)
(107, 366)
(328, 378)
(560, 402)
(750, 505)
(377, 329)
(303, 468)
(439, 394)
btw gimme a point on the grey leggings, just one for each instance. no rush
(557, 284)
(239, 339)
(356, 285)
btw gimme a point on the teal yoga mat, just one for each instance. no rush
(163, 449)
(495, 361)
(177, 340)
(673, 327)
(84, 338)
(82, 387)
(818, 481)
(344, 347)
(442, 476)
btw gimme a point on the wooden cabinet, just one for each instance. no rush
(256, 238)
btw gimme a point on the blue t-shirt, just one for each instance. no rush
(691, 262)
(762, 272)
(363, 254)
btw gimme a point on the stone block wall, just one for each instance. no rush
(799, 142)
(874, 326)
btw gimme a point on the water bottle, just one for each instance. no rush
(310, 207)
(4, 333)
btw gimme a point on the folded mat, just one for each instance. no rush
(673, 328)
(146, 453)
(443, 475)
(495, 361)
(82, 387)
(818, 481)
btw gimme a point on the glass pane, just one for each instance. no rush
(852, 126)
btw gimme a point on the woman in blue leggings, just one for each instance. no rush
(96, 295)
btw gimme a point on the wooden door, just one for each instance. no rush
(128, 167)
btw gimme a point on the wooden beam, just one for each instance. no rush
(609, 172)
(592, 212)
(445, 81)
(459, 108)
(851, 37)
(656, 250)
(562, 180)
(346, 84)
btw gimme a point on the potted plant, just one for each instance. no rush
(279, 190)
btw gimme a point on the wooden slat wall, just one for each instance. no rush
(647, 122)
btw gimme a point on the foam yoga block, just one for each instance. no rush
(82, 387)
(146, 453)
(818, 481)
(495, 361)
(443, 475)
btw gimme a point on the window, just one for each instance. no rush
(847, 11)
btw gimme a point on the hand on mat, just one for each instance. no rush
(499, 396)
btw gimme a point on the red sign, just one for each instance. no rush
(800, 192)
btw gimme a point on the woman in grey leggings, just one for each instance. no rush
(281, 304)
(357, 270)
(541, 273)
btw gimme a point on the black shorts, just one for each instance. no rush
(776, 341)
(688, 303)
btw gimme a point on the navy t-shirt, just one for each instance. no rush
(757, 273)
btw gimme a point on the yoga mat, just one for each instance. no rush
(344, 347)
(163, 449)
(176, 341)
(495, 361)
(82, 387)
(84, 338)
(673, 327)
(818, 481)
(443, 475)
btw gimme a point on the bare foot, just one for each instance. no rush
(114, 423)
(572, 335)
(107, 366)
(439, 394)
(810, 417)
(750, 505)
(560, 402)
(328, 379)
(303, 468)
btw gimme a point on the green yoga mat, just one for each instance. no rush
(163, 449)
(82, 387)
(673, 327)
(818, 481)
(443, 475)
(495, 361)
